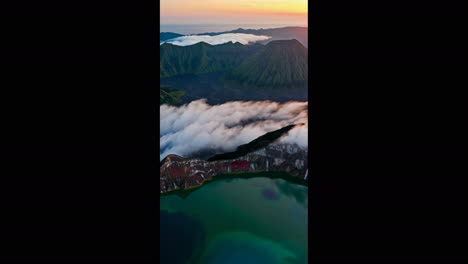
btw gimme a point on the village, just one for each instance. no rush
(181, 173)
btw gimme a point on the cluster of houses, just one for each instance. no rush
(180, 173)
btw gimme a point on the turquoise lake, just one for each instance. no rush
(254, 220)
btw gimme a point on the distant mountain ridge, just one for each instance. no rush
(281, 63)
(284, 33)
(163, 36)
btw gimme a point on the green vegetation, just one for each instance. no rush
(279, 64)
(254, 145)
(201, 58)
(170, 97)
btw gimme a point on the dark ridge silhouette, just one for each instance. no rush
(254, 145)
(163, 36)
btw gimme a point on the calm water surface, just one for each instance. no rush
(256, 220)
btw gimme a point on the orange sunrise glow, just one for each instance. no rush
(229, 11)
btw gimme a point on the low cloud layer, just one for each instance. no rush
(198, 127)
(215, 40)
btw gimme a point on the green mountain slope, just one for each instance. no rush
(170, 97)
(201, 58)
(281, 63)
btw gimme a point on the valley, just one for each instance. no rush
(217, 90)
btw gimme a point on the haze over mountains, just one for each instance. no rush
(217, 39)
(253, 145)
(214, 97)
(284, 33)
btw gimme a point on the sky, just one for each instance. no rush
(291, 12)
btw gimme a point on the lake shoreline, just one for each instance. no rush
(184, 192)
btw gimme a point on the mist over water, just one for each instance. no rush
(199, 127)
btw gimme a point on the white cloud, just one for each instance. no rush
(197, 126)
(216, 40)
